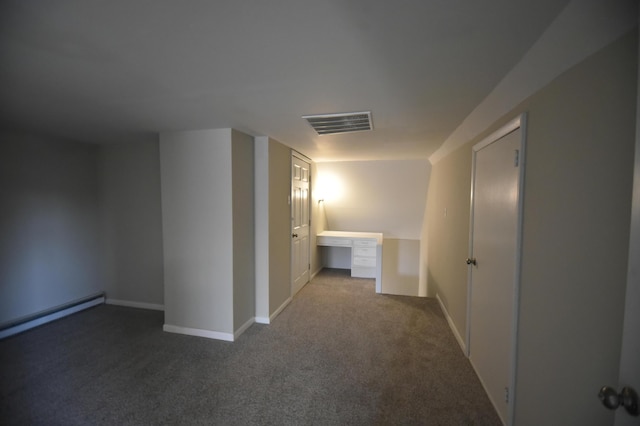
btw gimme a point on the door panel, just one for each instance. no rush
(630, 349)
(299, 223)
(493, 265)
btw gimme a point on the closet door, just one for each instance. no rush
(493, 264)
(300, 241)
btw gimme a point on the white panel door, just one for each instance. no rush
(300, 242)
(630, 358)
(493, 264)
(630, 350)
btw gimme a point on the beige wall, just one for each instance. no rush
(448, 233)
(279, 225)
(272, 183)
(318, 223)
(243, 203)
(375, 196)
(132, 223)
(575, 236)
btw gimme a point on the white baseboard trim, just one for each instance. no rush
(131, 304)
(280, 309)
(313, 275)
(228, 337)
(243, 328)
(452, 325)
(265, 320)
(51, 317)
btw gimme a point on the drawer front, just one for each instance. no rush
(360, 272)
(364, 261)
(333, 241)
(364, 251)
(364, 243)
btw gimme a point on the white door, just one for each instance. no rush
(630, 359)
(300, 173)
(493, 262)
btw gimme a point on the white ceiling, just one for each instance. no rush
(109, 71)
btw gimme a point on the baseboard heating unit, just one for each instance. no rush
(28, 322)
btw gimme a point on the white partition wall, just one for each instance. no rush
(207, 213)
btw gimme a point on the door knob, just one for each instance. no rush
(294, 235)
(628, 398)
(471, 261)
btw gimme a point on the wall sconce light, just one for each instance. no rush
(329, 187)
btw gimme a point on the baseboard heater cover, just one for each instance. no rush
(28, 322)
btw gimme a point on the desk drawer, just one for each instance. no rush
(333, 241)
(364, 243)
(364, 251)
(364, 261)
(361, 272)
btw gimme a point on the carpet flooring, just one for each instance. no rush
(339, 354)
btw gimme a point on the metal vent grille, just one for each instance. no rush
(329, 124)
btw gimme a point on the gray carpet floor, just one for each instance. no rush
(339, 354)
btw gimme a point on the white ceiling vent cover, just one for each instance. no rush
(330, 124)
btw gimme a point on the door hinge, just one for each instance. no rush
(506, 395)
(516, 158)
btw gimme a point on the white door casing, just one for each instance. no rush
(300, 223)
(494, 259)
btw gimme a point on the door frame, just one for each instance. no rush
(306, 159)
(521, 123)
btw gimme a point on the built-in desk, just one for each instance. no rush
(366, 252)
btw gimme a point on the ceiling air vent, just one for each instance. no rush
(330, 124)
